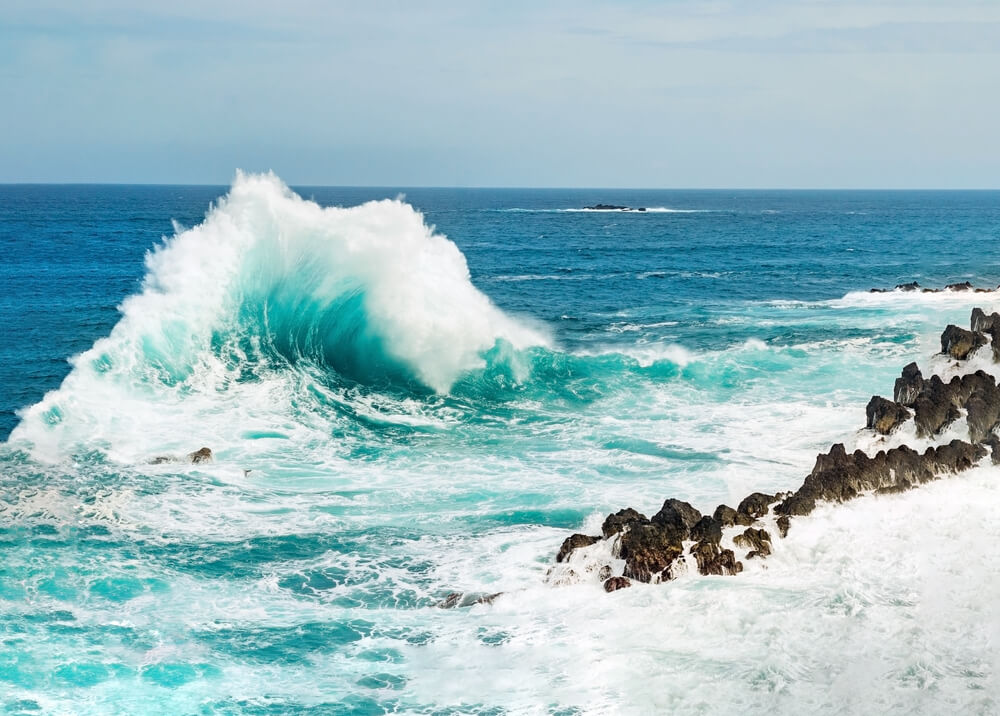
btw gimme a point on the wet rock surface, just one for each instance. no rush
(959, 343)
(884, 416)
(679, 538)
(573, 542)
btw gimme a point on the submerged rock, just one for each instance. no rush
(613, 584)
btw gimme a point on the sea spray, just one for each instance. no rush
(269, 280)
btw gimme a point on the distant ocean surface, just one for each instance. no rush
(416, 392)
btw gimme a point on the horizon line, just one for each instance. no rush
(501, 187)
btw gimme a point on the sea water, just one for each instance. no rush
(415, 393)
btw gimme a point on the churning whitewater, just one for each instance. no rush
(267, 283)
(410, 410)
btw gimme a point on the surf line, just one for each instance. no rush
(678, 538)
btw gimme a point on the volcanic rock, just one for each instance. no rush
(908, 386)
(884, 416)
(755, 505)
(622, 520)
(201, 455)
(713, 560)
(707, 529)
(757, 541)
(574, 542)
(959, 343)
(677, 515)
(613, 584)
(648, 550)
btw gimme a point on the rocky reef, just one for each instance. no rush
(679, 538)
(914, 286)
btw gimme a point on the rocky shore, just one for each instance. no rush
(679, 538)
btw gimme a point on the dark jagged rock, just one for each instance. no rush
(574, 542)
(993, 443)
(621, 520)
(711, 559)
(201, 455)
(613, 584)
(652, 549)
(707, 529)
(727, 516)
(648, 550)
(606, 207)
(959, 343)
(757, 541)
(983, 414)
(838, 477)
(884, 416)
(677, 515)
(911, 286)
(935, 408)
(908, 386)
(981, 321)
(988, 324)
(755, 505)
(964, 286)
(937, 405)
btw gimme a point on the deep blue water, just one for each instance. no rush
(73, 252)
(396, 417)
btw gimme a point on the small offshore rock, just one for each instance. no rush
(911, 286)
(783, 524)
(604, 573)
(884, 416)
(200, 455)
(964, 286)
(574, 542)
(615, 583)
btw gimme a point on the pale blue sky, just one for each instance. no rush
(738, 93)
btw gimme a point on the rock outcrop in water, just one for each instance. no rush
(914, 286)
(613, 207)
(679, 538)
(198, 456)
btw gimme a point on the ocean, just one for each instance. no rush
(413, 393)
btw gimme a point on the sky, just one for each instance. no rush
(707, 94)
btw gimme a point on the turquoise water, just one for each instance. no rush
(429, 393)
